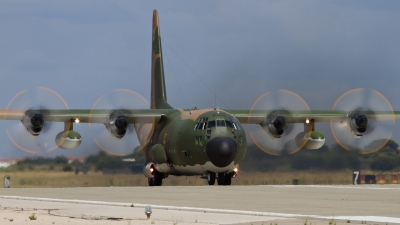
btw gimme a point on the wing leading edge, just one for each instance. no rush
(99, 116)
(258, 116)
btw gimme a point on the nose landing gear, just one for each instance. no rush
(222, 178)
(211, 178)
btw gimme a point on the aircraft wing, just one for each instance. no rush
(89, 116)
(259, 116)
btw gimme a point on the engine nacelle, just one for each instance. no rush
(310, 140)
(274, 124)
(357, 123)
(68, 139)
(117, 124)
(148, 170)
(33, 122)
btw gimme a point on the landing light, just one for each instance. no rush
(77, 120)
(307, 121)
(151, 170)
(235, 172)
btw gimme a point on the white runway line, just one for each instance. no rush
(209, 210)
(397, 187)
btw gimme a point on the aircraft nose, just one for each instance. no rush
(221, 151)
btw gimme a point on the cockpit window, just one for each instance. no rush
(235, 123)
(220, 123)
(202, 119)
(211, 123)
(200, 126)
(236, 126)
(201, 123)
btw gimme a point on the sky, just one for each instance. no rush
(240, 49)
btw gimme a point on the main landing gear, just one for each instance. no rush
(157, 179)
(222, 179)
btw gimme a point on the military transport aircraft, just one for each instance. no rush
(211, 142)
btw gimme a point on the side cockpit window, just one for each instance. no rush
(235, 124)
(201, 123)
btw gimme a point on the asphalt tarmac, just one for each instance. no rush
(266, 204)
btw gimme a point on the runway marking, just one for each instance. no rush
(336, 187)
(383, 219)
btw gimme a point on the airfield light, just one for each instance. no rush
(307, 121)
(77, 120)
(147, 211)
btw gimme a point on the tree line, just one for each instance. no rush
(326, 158)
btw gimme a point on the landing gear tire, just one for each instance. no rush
(157, 179)
(228, 179)
(221, 179)
(151, 181)
(224, 179)
(211, 178)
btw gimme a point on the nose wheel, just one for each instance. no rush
(228, 179)
(222, 179)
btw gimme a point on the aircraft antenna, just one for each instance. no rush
(180, 90)
(195, 73)
(215, 103)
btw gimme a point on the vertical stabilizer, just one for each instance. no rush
(158, 92)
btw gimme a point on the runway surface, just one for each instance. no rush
(377, 204)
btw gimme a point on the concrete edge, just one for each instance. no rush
(209, 210)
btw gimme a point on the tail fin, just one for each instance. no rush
(158, 92)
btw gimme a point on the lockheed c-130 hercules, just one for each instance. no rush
(211, 142)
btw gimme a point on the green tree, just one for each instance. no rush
(383, 163)
(68, 168)
(60, 160)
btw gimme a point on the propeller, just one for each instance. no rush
(120, 138)
(30, 135)
(369, 124)
(280, 135)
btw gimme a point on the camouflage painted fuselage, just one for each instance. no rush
(185, 136)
